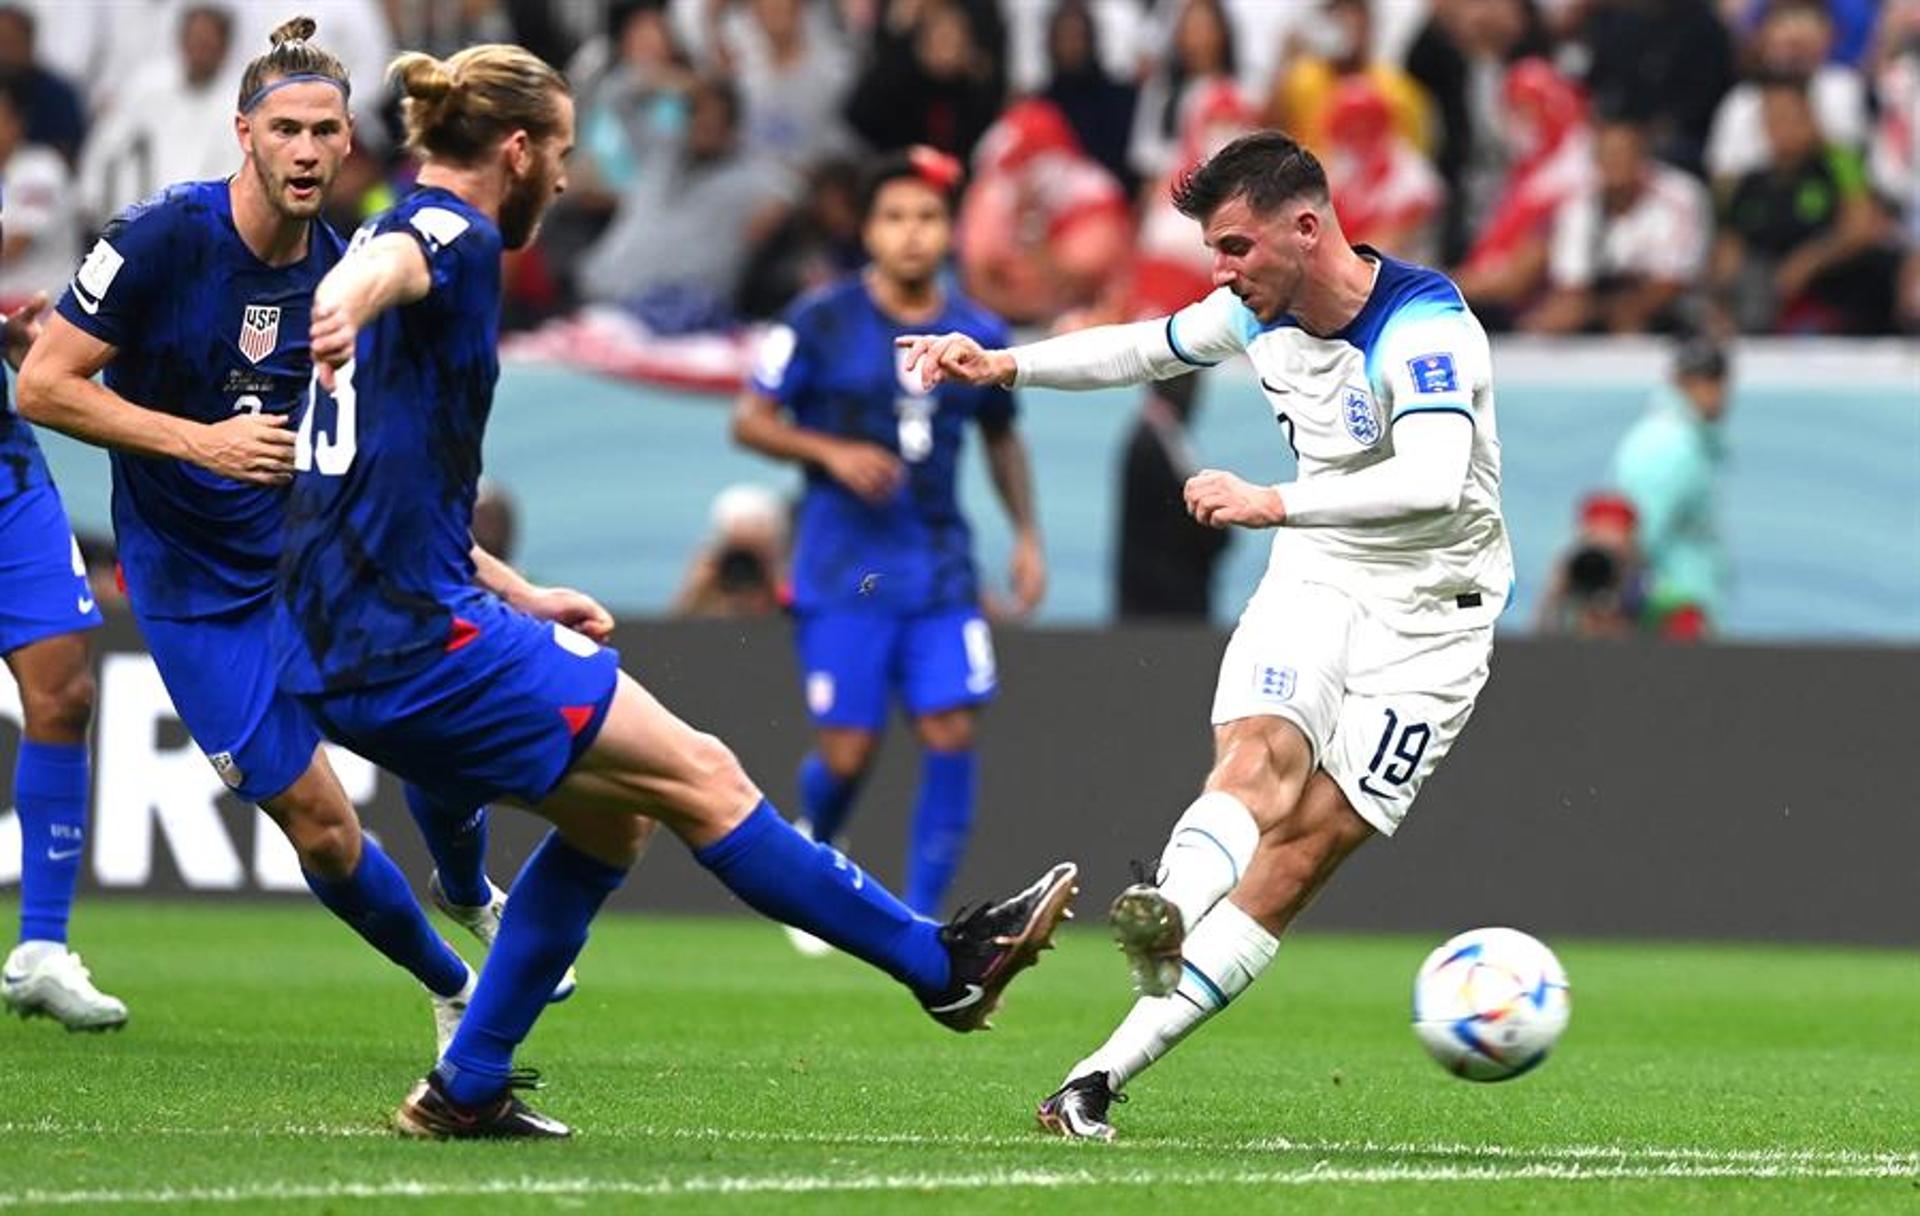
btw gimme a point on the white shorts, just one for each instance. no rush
(1381, 708)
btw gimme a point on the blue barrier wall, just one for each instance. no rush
(1821, 506)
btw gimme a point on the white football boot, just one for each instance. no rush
(45, 979)
(484, 923)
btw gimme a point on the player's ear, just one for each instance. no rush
(243, 132)
(519, 148)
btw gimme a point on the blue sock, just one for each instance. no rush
(941, 823)
(826, 798)
(377, 903)
(782, 874)
(552, 902)
(50, 788)
(456, 835)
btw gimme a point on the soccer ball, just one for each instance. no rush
(1489, 1004)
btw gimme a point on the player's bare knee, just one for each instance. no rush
(1263, 764)
(951, 731)
(717, 774)
(58, 711)
(847, 754)
(330, 849)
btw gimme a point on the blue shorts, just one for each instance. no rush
(43, 585)
(220, 672)
(505, 713)
(852, 663)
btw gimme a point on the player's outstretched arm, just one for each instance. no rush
(563, 605)
(1427, 474)
(1105, 356)
(761, 425)
(387, 271)
(58, 390)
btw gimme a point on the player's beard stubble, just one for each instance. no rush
(521, 210)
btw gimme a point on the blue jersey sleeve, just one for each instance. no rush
(122, 275)
(785, 364)
(449, 241)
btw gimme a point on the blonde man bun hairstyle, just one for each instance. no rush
(457, 108)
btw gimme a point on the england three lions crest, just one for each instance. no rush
(259, 331)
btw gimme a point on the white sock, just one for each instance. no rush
(1225, 952)
(1207, 853)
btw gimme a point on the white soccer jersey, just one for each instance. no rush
(1414, 347)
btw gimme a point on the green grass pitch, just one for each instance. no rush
(709, 1069)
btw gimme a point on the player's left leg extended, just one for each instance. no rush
(1223, 954)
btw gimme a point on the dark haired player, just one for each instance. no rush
(1358, 659)
(886, 602)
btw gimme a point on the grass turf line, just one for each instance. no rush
(708, 1068)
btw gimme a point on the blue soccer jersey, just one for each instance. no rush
(377, 563)
(834, 366)
(203, 329)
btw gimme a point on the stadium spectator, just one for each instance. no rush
(1803, 244)
(930, 79)
(1626, 250)
(1170, 269)
(1668, 465)
(1598, 585)
(1663, 63)
(1044, 230)
(1853, 24)
(818, 242)
(1387, 194)
(1505, 269)
(1893, 155)
(51, 108)
(674, 251)
(42, 241)
(1794, 41)
(1099, 107)
(794, 71)
(740, 567)
(1460, 58)
(1165, 561)
(173, 124)
(632, 84)
(1339, 48)
(1202, 59)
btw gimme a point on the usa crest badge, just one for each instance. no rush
(259, 331)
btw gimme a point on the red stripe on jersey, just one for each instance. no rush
(577, 717)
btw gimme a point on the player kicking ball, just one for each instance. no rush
(490, 690)
(1357, 661)
(194, 306)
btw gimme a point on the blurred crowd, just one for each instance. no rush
(1673, 166)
